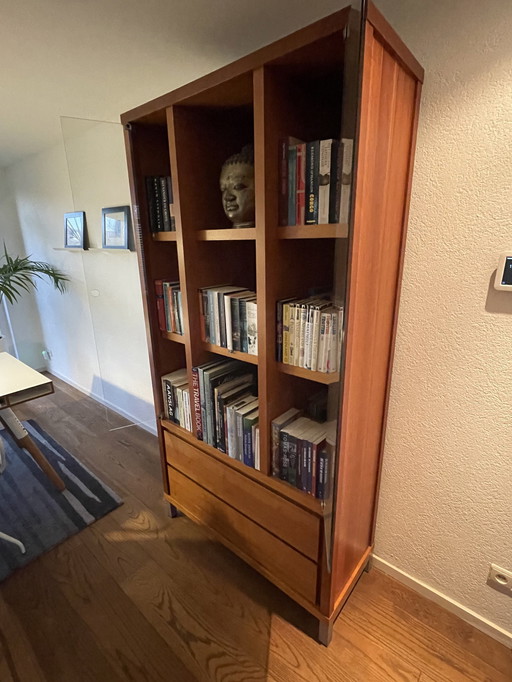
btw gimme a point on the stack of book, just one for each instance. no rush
(229, 318)
(315, 180)
(309, 333)
(169, 306)
(303, 451)
(225, 409)
(176, 395)
(160, 203)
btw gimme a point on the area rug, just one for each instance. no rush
(32, 511)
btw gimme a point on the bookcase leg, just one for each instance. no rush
(174, 512)
(369, 564)
(325, 632)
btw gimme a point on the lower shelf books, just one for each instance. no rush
(176, 394)
(309, 333)
(229, 318)
(303, 452)
(225, 409)
(169, 306)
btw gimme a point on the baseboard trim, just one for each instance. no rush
(479, 622)
(100, 399)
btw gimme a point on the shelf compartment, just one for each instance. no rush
(294, 525)
(331, 231)
(230, 234)
(284, 489)
(232, 354)
(164, 236)
(320, 377)
(172, 336)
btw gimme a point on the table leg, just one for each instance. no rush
(22, 438)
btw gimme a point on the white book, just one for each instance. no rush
(324, 181)
(302, 333)
(256, 443)
(333, 347)
(252, 327)
(340, 332)
(323, 345)
(231, 424)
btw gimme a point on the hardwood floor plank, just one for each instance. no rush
(18, 660)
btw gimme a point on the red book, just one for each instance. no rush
(160, 305)
(301, 184)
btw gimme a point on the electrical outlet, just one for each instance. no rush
(47, 354)
(500, 579)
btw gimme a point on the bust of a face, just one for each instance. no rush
(237, 187)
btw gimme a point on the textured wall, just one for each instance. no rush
(446, 494)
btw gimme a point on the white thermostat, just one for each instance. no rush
(503, 281)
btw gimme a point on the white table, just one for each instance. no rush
(19, 383)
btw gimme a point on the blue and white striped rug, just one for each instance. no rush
(34, 512)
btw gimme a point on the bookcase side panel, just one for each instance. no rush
(388, 119)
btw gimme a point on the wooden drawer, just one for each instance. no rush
(275, 559)
(296, 526)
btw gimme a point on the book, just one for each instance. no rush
(231, 427)
(240, 413)
(324, 180)
(249, 421)
(292, 182)
(300, 184)
(219, 391)
(284, 144)
(277, 424)
(312, 166)
(234, 343)
(164, 194)
(154, 202)
(288, 441)
(212, 377)
(252, 326)
(339, 211)
(196, 403)
(244, 341)
(256, 441)
(227, 399)
(220, 313)
(169, 397)
(160, 305)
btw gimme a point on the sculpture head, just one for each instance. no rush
(237, 187)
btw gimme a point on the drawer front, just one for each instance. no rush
(261, 549)
(290, 523)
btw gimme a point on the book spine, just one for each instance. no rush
(275, 450)
(186, 405)
(314, 463)
(300, 445)
(221, 425)
(229, 327)
(335, 179)
(158, 203)
(301, 184)
(231, 432)
(283, 455)
(152, 199)
(302, 334)
(180, 312)
(286, 334)
(167, 306)
(309, 455)
(283, 182)
(202, 315)
(222, 319)
(210, 412)
(292, 460)
(279, 331)
(334, 359)
(315, 333)
(291, 334)
(166, 216)
(197, 403)
(202, 396)
(168, 399)
(340, 333)
(252, 327)
(248, 442)
(235, 323)
(239, 437)
(216, 317)
(179, 394)
(296, 335)
(346, 179)
(292, 182)
(256, 441)
(324, 180)
(328, 344)
(321, 343)
(312, 164)
(244, 344)
(323, 475)
(160, 305)
(211, 315)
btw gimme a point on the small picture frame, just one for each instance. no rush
(116, 227)
(74, 230)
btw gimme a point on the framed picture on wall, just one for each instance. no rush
(116, 227)
(75, 236)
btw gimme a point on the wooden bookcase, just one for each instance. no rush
(346, 75)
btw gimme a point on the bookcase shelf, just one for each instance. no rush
(164, 236)
(321, 83)
(320, 377)
(334, 231)
(232, 354)
(233, 234)
(172, 336)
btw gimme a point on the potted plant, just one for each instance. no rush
(19, 274)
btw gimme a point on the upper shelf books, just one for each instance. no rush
(315, 181)
(160, 203)
(229, 318)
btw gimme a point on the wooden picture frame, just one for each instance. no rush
(116, 227)
(75, 236)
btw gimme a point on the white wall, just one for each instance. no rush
(446, 495)
(95, 331)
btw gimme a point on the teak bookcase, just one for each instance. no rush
(347, 75)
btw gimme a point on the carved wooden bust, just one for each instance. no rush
(237, 187)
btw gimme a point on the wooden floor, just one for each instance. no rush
(140, 597)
